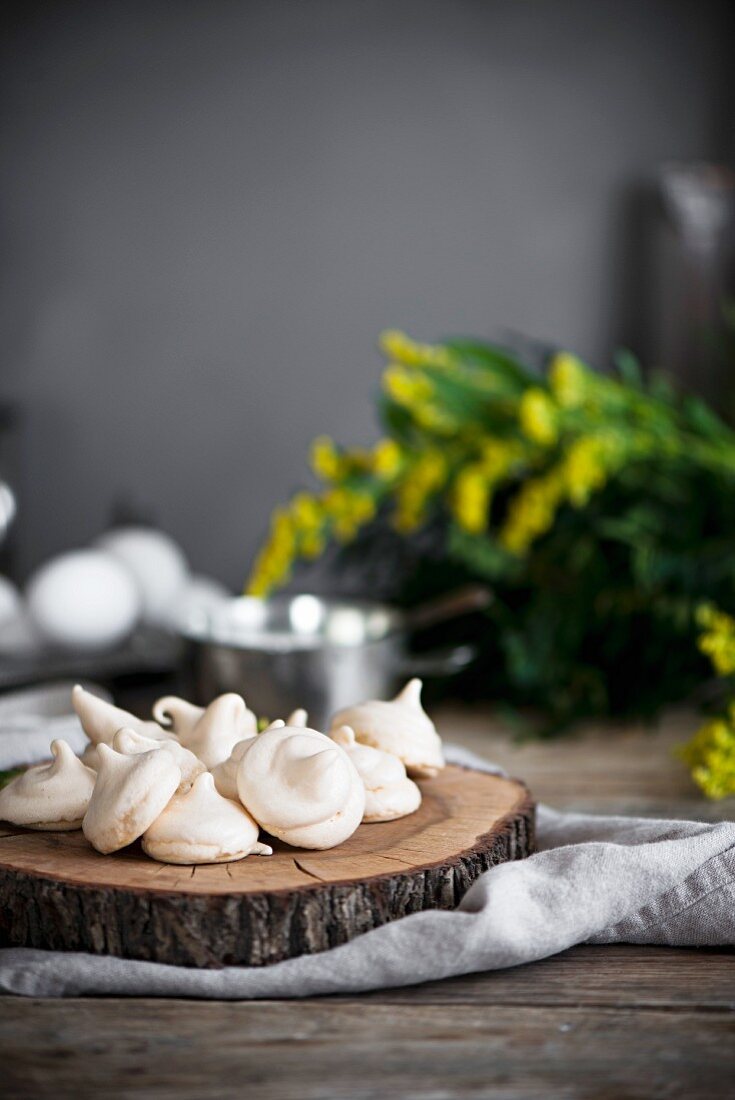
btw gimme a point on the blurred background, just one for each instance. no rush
(210, 210)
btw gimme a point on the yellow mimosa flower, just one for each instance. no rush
(568, 378)
(402, 349)
(325, 459)
(470, 500)
(532, 511)
(537, 417)
(406, 388)
(387, 459)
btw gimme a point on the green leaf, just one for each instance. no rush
(494, 359)
(629, 368)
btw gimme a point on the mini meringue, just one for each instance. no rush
(301, 786)
(389, 793)
(298, 718)
(130, 743)
(225, 774)
(176, 714)
(51, 796)
(101, 721)
(200, 826)
(400, 727)
(130, 793)
(221, 725)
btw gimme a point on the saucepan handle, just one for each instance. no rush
(438, 662)
(462, 601)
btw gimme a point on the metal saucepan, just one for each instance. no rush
(317, 653)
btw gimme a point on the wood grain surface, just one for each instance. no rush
(618, 1022)
(261, 910)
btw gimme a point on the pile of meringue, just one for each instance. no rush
(197, 785)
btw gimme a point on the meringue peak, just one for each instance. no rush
(130, 793)
(176, 714)
(101, 720)
(221, 725)
(130, 743)
(410, 694)
(400, 727)
(200, 826)
(51, 796)
(298, 718)
(301, 786)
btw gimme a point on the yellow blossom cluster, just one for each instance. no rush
(423, 477)
(407, 388)
(387, 459)
(273, 564)
(402, 349)
(538, 417)
(532, 511)
(711, 756)
(470, 501)
(347, 510)
(569, 380)
(583, 470)
(475, 483)
(717, 640)
(416, 393)
(711, 753)
(301, 530)
(325, 459)
(586, 466)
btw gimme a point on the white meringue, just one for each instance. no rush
(130, 743)
(176, 714)
(400, 727)
(389, 793)
(101, 721)
(301, 787)
(51, 796)
(222, 724)
(298, 718)
(130, 793)
(225, 774)
(200, 826)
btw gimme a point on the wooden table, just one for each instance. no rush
(597, 1022)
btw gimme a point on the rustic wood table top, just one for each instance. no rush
(598, 1022)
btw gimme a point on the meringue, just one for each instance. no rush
(400, 727)
(389, 793)
(225, 774)
(130, 743)
(51, 796)
(101, 721)
(130, 793)
(176, 714)
(301, 786)
(298, 718)
(200, 826)
(221, 725)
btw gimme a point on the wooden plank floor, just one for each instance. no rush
(617, 1022)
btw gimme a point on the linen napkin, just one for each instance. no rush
(30, 719)
(592, 880)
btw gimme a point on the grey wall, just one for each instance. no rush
(210, 209)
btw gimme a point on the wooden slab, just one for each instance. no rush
(57, 892)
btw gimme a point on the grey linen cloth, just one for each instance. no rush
(592, 880)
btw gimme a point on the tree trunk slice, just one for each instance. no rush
(56, 892)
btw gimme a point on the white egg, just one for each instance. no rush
(11, 600)
(194, 603)
(83, 600)
(155, 561)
